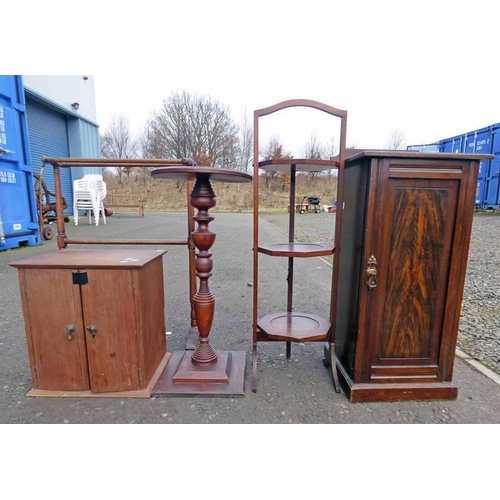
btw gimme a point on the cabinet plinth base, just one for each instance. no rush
(403, 391)
(224, 378)
(139, 393)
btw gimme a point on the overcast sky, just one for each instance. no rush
(425, 108)
(428, 69)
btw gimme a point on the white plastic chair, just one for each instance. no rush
(88, 194)
(92, 177)
(85, 198)
(101, 191)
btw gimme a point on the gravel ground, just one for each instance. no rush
(479, 330)
(298, 390)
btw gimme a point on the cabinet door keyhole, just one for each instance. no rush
(92, 329)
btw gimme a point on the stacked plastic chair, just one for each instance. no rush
(88, 194)
(101, 191)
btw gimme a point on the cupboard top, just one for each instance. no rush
(90, 259)
(356, 154)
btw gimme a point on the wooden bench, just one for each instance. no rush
(125, 201)
(298, 206)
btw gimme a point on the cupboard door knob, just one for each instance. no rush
(371, 271)
(92, 330)
(70, 330)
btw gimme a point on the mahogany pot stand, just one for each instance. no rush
(204, 371)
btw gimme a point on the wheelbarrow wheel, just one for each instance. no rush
(302, 211)
(47, 233)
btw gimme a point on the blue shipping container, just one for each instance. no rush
(18, 211)
(482, 141)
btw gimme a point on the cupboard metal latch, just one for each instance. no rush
(80, 278)
(70, 331)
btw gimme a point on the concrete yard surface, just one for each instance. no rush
(294, 391)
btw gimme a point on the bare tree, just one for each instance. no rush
(313, 149)
(149, 144)
(245, 145)
(274, 151)
(118, 142)
(330, 151)
(396, 140)
(197, 127)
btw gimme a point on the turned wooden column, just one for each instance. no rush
(202, 199)
(203, 370)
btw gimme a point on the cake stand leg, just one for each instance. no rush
(254, 368)
(329, 360)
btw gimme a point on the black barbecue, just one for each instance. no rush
(313, 201)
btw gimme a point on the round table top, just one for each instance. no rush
(186, 172)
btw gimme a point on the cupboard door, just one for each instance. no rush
(52, 304)
(413, 312)
(150, 314)
(109, 310)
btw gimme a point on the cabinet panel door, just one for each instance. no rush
(150, 314)
(411, 312)
(108, 305)
(52, 303)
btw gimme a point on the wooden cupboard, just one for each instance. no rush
(94, 320)
(404, 246)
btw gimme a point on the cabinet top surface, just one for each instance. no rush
(356, 154)
(89, 259)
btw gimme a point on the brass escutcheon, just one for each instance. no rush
(371, 271)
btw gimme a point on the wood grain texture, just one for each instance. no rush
(413, 213)
(150, 319)
(141, 393)
(109, 305)
(122, 301)
(58, 363)
(418, 268)
(90, 258)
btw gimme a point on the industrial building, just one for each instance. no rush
(41, 115)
